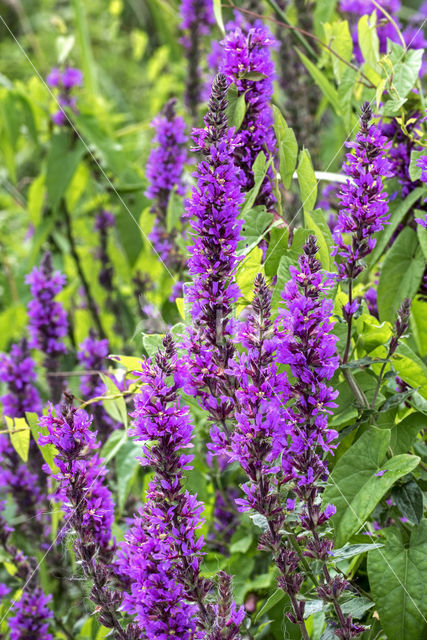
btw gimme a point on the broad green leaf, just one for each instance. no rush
(128, 362)
(351, 550)
(116, 405)
(323, 11)
(422, 233)
(287, 146)
(398, 210)
(62, 160)
(114, 443)
(174, 212)
(339, 38)
(126, 467)
(246, 274)
(307, 180)
(277, 247)
(406, 66)
(242, 544)
(322, 82)
(397, 577)
(414, 170)
(283, 276)
(400, 275)
(257, 222)
(345, 96)
(370, 46)
(356, 607)
(410, 368)
(48, 451)
(409, 499)
(152, 342)
(19, 432)
(355, 489)
(315, 220)
(404, 433)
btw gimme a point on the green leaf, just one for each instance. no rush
(406, 66)
(307, 180)
(275, 597)
(315, 220)
(126, 467)
(246, 274)
(236, 107)
(368, 40)
(115, 407)
(354, 488)
(217, 8)
(63, 157)
(257, 222)
(152, 342)
(404, 433)
(287, 146)
(409, 499)
(422, 233)
(19, 432)
(339, 38)
(398, 210)
(356, 607)
(242, 544)
(419, 324)
(259, 168)
(397, 578)
(345, 96)
(36, 194)
(320, 79)
(277, 247)
(414, 170)
(410, 368)
(115, 441)
(401, 274)
(48, 451)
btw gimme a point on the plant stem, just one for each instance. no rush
(349, 323)
(85, 283)
(380, 379)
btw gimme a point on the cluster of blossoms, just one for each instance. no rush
(197, 21)
(31, 615)
(47, 319)
(247, 55)
(17, 371)
(64, 82)
(363, 203)
(87, 504)
(386, 30)
(103, 222)
(164, 173)
(161, 555)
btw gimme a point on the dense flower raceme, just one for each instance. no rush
(363, 203)
(307, 346)
(197, 21)
(31, 615)
(17, 371)
(87, 504)
(161, 555)
(64, 81)
(103, 222)
(247, 52)
(47, 319)
(164, 173)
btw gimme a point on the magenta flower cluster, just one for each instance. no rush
(64, 81)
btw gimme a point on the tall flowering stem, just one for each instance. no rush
(214, 208)
(161, 554)
(88, 506)
(363, 207)
(31, 615)
(247, 53)
(47, 319)
(197, 21)
(164, 173)
(307, 346)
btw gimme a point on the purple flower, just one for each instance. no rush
(17, 371)
(164, 173)
(47, 318)
(177, 291)
(31, 617)
(161, 554)
(422, 221)
(247, 52)
(197, 20)
(64, 81)
(104, 220)
(422, 164)
(91, 355)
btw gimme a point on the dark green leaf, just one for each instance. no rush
(62, 160)
(287, 146)
(409, 499)
(406, 66)
(356, 607)
(322, 82)
(275, 597)
(126, 466)
(397, 578)
(351, 550)
(307, 181)
(277, 247)
(236, 107)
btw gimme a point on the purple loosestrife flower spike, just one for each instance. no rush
(197, 21)
(65, 82)
(47, 319)
(31, 617)
(87, 504)
(246, 53)
(214, 208)
(161, 554)
(17, 371)
(103, 222)
(307, 346)
(363, 206)
(164, 173)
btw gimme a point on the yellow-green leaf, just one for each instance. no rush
(19, 436)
